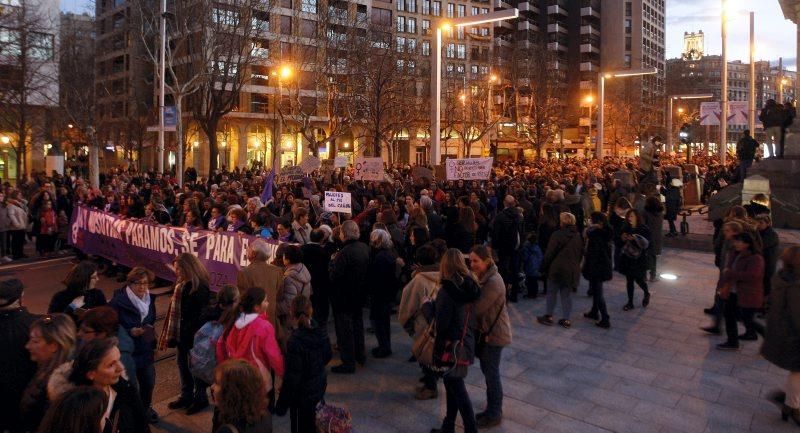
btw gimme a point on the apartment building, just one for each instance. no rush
(29, 84)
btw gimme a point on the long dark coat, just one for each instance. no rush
(782, 340)
(597, 263)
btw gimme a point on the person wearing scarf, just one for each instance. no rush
(136, 309)
(237, 221)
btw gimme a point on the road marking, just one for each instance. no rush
(22, 265)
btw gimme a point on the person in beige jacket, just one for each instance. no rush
(269, 277)
(494, 325)
(422, 288)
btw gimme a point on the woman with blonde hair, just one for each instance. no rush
(240, 397)
(782, 339)
(458, 290)
(190, 298)
(52, 340)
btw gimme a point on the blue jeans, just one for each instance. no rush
(191, 388)
(490, 367)
(566, 300)
(458, 401)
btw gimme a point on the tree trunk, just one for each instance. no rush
(210, 128)
(180, 154)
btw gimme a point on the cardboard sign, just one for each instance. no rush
(738, 112)
(337, 202)
(469, 168)
(368, 169)
(326, 167)
(341, 161)
(292, 173)
(310, 163)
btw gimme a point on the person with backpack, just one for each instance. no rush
(307, 353)
(248, 335)
(203, 356)
(136, 309)
(454, 337)
(633, 259)
(531, 256)
(506, 240)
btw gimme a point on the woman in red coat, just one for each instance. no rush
(742, 290)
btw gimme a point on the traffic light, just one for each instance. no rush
(684, 134)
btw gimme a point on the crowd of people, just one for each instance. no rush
(447, 257)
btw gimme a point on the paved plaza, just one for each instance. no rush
(652, 372)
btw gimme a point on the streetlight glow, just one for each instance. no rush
(286, 72)
(601, 78)
(680, 110)
(589, 99)
(5, 140)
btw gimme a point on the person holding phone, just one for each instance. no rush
(81, 292)
(136, 308)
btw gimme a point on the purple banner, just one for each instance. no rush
(132, 242)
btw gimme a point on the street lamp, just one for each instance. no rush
(284, 72)
(670, 100)
(589, 100)
(601, 77)
(436, 70)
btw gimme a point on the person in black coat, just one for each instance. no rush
(453, 325)
(597, 267)
(770, 248)
(317, 259)
(461, 235)
(383, 283)
(80, 293)
(15, 363)
(304, 381)
(136, 309)
(617, 220)
(673, 202)
(507, 238)
(348, 296)
(195, 296)
(633, 258)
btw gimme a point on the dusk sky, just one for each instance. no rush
(775, 36)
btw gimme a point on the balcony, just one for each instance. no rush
(590, 12)
(503, 27)
(556, 10)
(556, 46)
(526, 6)
(590, 30)
(587, 85)
(590, 48)
(501, 4)
(589, 67)
(500, 42)
(527, 25)
(556, 65)
(556, 28)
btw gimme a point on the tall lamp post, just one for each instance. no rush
(668, 126)
(601, 78)
(283, 73)
(436, 70)
(589, 100)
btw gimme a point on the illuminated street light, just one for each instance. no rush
(680, 110)
(670, 99)
(436, 70)
(5, 140)
(602, 77)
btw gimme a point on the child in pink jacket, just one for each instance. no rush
(249, 336)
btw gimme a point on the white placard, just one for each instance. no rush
(54, 163)
(368, 169)
(710, 113)
(337, 202)
(291, 173)
(469, 168)
(738, 112)
(340, 161)
(310, 163)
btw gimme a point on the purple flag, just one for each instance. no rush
(266, 194)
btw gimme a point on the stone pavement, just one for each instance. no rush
(652, 372)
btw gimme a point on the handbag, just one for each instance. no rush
(423, 346)
(454, 359)
(333, 419)
(482, 337)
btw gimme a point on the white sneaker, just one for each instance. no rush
(6, 259)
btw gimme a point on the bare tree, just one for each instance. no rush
(28, 73)
(223, 34)
(76, 68)
(471, 114)
(535, 93)
(181, 79)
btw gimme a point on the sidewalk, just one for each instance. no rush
(652, 372)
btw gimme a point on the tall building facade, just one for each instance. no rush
(28, 83)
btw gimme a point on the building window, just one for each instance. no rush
(627, 43)
(309, 6)
(475, 10)
(286, 25)
(401, 24)
(450, 52)
(308, 28)
(286, 4)
(437, 8)
(411, 26)
(426, 48)
(426, 27)
(426, 7)
(460, 69)
(473, 69)
(628, 26)
(9, 40)
(401, 44)
(451, 10)
(260, 24)
(628, 9)
(462, 10)
(484, 70)
(41, 45)
(221, 16)
(401, 5)
(260, 50)
(627, 60)
(411, 45)
(461, 51)
(381, 17)
(411, 6)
